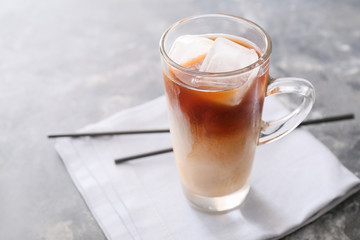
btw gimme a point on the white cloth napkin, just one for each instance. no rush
(294, 181)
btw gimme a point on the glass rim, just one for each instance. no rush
(263, 58)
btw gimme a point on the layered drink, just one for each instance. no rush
(215, 119)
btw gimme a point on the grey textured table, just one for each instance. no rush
(68, 63)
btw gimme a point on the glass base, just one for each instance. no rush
(217, 204)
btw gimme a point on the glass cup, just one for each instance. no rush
(216, 124)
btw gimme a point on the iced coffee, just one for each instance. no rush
(215, 69)
(214, 120)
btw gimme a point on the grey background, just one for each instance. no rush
(67, 63)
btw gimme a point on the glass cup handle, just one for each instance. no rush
(273, 130)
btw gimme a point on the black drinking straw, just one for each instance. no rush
(328, 119)
(98, 134)
(148, 154)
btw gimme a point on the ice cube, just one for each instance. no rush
(226, 55)
(187, 48)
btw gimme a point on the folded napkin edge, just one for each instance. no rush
(352, 190)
